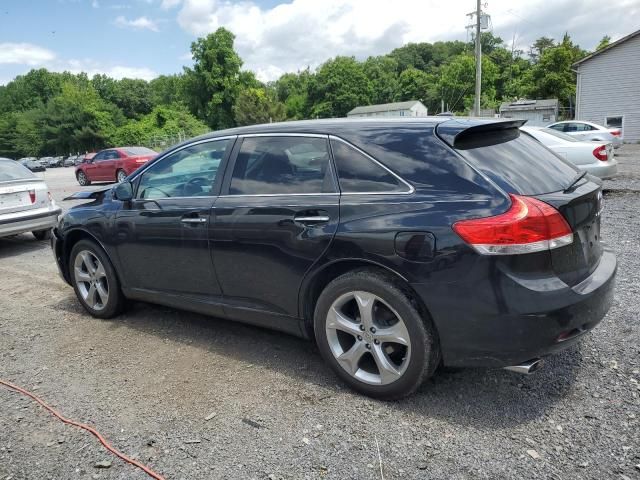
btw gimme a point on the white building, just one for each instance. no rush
(538, 113)
(608, 87)
(412, 108)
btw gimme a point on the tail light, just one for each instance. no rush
(616, 133)
(601, 153)
(142, 160)
(32, 196)
(529, 225)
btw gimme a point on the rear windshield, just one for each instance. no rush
(10, 170)
(139, 151)
(517, 163)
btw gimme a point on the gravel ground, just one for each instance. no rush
(197, 398)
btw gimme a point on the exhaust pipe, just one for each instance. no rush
(528, 367)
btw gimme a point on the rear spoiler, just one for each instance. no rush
(87, 194)
(473, 133)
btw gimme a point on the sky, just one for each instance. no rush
(147, 38)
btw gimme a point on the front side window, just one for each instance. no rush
(282, 165)
(357, 173)
(190, 172)
(100, 156)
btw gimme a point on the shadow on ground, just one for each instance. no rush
(478, 398)
(20, 244)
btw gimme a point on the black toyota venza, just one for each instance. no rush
(398, 245)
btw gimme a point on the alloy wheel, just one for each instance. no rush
(368, 338)
(82, 179)
(121, 176)
(91, 280)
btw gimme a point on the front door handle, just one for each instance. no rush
(193, 220)
(312, 219)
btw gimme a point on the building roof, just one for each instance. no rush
(608, 47)
(529, 105)
(384, 107)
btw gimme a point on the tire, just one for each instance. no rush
(411, 364)
(83, 180)
(85, 261)
(42, 234)
(120, 176)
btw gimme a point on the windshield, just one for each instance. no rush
(139, 151)
(560, 135)
(10, 171)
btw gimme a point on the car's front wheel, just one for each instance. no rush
(83, 180)
(94, 280)
(373, 335)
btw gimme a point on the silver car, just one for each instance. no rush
(589, 131)
(25, 202)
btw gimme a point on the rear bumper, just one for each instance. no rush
(28, 221)
(511, 322)
(602, 169)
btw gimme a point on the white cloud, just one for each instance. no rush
(301, 33)
(140, 23)
(168, 4)
(93, 67)
(24, 54)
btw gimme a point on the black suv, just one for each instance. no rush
(398, 246)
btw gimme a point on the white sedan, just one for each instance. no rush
(25, 202)
(593, 157)
(589, 131)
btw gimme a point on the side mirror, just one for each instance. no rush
(123, 191)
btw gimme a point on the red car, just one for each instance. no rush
(112, 164)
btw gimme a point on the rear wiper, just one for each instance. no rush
(575, 180)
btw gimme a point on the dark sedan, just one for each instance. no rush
(398, 245)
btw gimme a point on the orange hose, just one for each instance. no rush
(89, 429)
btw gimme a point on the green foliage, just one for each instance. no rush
(606, 40)
(213, 84)
(258, 105)
(164, 122)
(339, 86)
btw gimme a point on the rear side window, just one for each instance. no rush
(282, 165)
(520, 164)
(357, 173)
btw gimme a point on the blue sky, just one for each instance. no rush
(145, 38)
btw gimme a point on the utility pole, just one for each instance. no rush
(476, 103)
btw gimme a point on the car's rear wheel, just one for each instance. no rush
(42, 234)
(83, 180)
(373, 335)
(120, 176)
(94, 280)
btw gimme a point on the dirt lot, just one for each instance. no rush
(198, 398)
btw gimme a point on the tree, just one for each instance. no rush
(160, 127)
(457, 83)
(77, 120)
(258, 105)
(167, 90)
(29, 91)
(551, 76)
(339, 86)
(414, 84)
(383, 77)
(539, 46)
(213, 84)
(606, 40)
(293, 90)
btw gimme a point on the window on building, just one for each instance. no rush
(615, 121)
